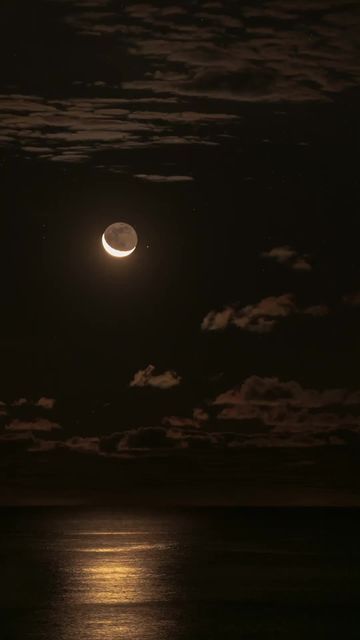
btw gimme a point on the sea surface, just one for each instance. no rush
(198, 574)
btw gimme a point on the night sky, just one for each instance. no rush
(219, 363)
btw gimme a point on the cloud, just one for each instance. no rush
(162, 439)
(16, 436)
(258, 318)
(40, 424)
(228, 52)
(83, 444)
(183, 117)
(263, 412)
(176, 421)
(262, 317)
(257, 391)
(231, 54)
(156, 178)
(353, 398)
(200, 417)
(352, 299)
(203, 441)
(70, 157)
(217, 320)
(73, 130)
(292, 440)
(147, 378)
(15, 442)
(147, 438)
(45, 403)
(317, 310)
(20, 402)
(141, 441)
(38, 445)
(280, 254)
(238, 412)
(288, 256)
(109, 443)
(76, 444)
(302, 264)
(288, 413)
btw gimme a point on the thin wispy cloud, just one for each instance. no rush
(73, 130)
(39, 424)
(157, 178)
(182, 54)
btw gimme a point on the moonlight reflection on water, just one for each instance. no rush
(114, 580)
(207, 575)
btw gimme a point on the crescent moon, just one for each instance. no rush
(116, 253)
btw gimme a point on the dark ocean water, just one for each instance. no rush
(76, 574)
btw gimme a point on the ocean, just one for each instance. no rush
(188, 574)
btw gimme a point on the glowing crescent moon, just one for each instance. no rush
(119, 240)
(116, 253)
